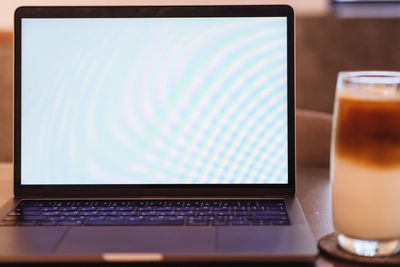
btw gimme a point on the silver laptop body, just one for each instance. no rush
(181, 104)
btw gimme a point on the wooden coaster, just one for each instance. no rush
(329, 245)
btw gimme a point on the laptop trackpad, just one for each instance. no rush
(167, 239)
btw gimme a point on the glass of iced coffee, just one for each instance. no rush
(365, 162)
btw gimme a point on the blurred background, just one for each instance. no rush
(331, 36)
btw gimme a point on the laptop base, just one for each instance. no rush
(161, 243)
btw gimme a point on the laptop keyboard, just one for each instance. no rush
(147, 212)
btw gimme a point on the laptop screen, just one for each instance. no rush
(154, 101)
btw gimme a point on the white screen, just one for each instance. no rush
(154, 101)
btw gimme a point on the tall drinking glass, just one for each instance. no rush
(365, 162)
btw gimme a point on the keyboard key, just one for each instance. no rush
(124, 208)
(220, 223)
(48, 223)
(166, 213)
(144, 209)
(70, 213)
(198, 223)
(162, 223)
(34, 218)
(121, 203)
(190, 208)
(27, 223)
(68, 208)
(224, 208)
(156, 203)
(175, 218)
(102, 203)
(244, 213)
(89, 213)
(117, 218)
(147, 213)
(236, 218)
(205, 213)
(82, 203)
(270, 212)
(267, 217)
(127, 213)
(87, 208)
(140, 203)
(236, 223)
(212, 203)
(185, 213)
(51, 213)
(64, 203)
(163, 208)
(56, 218)
(223, 213)
(133, 223)
(71, 223)
(49, 209)
(106, 208)
(34, 213)
(276, 208)
(136, 218)
(197, 218)
(24, 208)
(108, 213)
(156, 218)
(96, 218)
(77, 218)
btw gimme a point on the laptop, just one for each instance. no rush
(154, 133)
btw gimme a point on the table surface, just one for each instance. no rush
(313, 191)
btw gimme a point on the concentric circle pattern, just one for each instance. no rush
(154, 101)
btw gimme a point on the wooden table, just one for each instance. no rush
(313, 191)
(6, 182)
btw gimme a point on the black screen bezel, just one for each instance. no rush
(171, 190)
